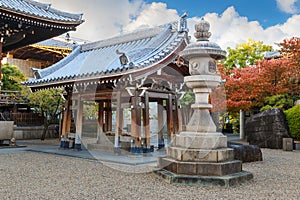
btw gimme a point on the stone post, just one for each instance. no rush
(242, 124)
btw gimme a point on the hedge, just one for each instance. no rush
(293, 119)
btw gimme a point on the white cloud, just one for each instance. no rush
(287, 6)
(102, 18)
(153, 14)
(229, 29)
(105, 19)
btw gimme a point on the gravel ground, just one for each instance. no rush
(28, 175)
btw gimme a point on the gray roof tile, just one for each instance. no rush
(40, 10)
(144, 48)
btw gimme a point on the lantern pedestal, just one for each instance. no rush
(200, 155)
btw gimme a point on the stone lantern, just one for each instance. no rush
(199, 155)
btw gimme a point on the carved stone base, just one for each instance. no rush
(219, 181)
(203, 155)
(199, 168)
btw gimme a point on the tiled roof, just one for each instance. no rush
(61, 42)
(144, 48)
(39, 10)
(273, 54)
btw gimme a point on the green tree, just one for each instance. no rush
(12, 77)
(293, 119)
(49, 104)
(282, 101)
(245, 54)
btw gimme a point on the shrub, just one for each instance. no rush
(293, 118)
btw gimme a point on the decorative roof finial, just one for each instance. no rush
(182, 25)
(202, 30)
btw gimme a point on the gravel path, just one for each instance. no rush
(28, 175)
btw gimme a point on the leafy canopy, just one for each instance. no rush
(12, 77)
(246, 54)
(48, 103)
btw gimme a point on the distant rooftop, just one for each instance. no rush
(39, 10)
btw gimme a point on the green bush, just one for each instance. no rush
(293, 118)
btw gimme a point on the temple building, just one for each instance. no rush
(42, 54)
(122, 73)
(24, 22)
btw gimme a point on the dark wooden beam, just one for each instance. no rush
(100, 120)
(160, 121)
(170, 122)
(0, 65)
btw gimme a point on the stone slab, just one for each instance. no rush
(201, 155)
(6, 130)
(220, 181)
(246, 153)
(287, 144)
(200, 168)
(106, 148)
(192, 140)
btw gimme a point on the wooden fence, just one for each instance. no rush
(22, 119)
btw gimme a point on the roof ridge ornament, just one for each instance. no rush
(182, 25)
(202, 30)
(123, 58)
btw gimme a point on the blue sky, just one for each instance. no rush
(266, 12)
(232, 21)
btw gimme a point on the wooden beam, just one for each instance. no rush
(158, 95)
(146, 119)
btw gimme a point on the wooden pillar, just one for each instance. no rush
(136, 122)
(175, 116)
(146, 122)
(179, 114)
(170, 122)
(160, 122)
(133, 116)
(109, 116)
(66, 121)
(0, 66)
(67, 115)
(119, 122)
(100, 132)
(78, 121)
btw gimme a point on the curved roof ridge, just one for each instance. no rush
(45, 72)
(126, 37)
